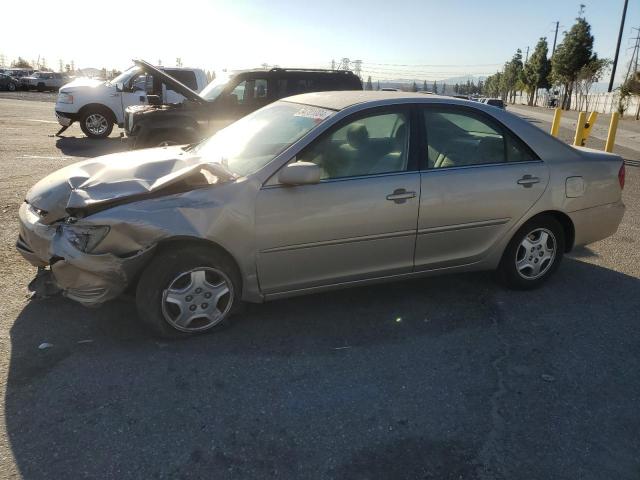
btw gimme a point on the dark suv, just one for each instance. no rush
(224, 101)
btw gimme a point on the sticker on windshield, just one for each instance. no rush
(317, 114)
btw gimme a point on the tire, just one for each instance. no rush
(40, 87)
(96, 122)
(533, 254)
(11, 87)
(187, 277)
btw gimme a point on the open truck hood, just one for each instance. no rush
(170, 82)
(98, 183)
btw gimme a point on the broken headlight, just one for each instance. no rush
(84, 237)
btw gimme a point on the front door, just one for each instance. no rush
(358, 222)
(478, 182)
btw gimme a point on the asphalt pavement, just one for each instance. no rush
(449, 377)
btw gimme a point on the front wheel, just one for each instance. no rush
(11, 87)
(187, 291)
(533, 254)
(96, 123)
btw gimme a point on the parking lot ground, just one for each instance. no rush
(443, 378)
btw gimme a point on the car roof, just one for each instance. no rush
(347, 98)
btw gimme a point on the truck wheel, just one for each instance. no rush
(41, 87)
(96, 123)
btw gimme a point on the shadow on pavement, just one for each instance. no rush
(88, 147)
(446, 377)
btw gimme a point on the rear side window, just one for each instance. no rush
(185, 77)
(461, 138)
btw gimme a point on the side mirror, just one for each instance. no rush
(300, 173)
(119, 87)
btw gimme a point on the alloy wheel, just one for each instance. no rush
(198, 299)
(97, 124)
(536, 253)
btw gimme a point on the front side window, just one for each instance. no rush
(367, 146)
(250, 91)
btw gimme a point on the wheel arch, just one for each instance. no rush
(185, 241)
(567, 226)
(98, 106)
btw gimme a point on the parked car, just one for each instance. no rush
(42, 81)
(18, 72)
(7, 82)
(319, 191)
(99, 105)
(389, 89)
(222, 102)
(495, 102)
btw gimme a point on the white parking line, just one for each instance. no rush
(44, 157)
(41, 121)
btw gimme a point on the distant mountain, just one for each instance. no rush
(406, 83)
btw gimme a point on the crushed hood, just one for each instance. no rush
(99, 182)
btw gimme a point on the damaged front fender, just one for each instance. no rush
(92, 279)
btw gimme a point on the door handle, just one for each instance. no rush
(114, 95)
(400, 195)
(528, 181)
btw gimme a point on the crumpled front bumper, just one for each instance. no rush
(86, 278)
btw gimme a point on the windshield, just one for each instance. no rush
(125, 76)
(251, 143)
(215, 88)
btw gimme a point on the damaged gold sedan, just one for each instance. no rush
(318, 191)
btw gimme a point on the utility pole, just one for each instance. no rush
(527, 57)
(555, 38)
(615, 59)
(333, 64)
(633, 63)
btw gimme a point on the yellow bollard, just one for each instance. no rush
(555, 126)
(593, 116)
(611, 136)
(577, 140)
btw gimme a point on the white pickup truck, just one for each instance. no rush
(98, 105)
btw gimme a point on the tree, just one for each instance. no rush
(456, 88)
(444, 89)
(536, 71)
(378, 85)
(424, 86)
(21, 63)
(587, 76)
(574, 52)
(369, 85)
(60, 65)
(435, 87)
(414, 87)
(512, 76)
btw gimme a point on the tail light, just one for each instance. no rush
(621, 175)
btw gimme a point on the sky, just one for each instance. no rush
(422, 39)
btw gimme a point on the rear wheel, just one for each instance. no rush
(11, 87)
(533, 254)
(96, 123)
(187, 291)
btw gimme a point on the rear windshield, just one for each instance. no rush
(495, 103)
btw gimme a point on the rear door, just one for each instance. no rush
(477, 180)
